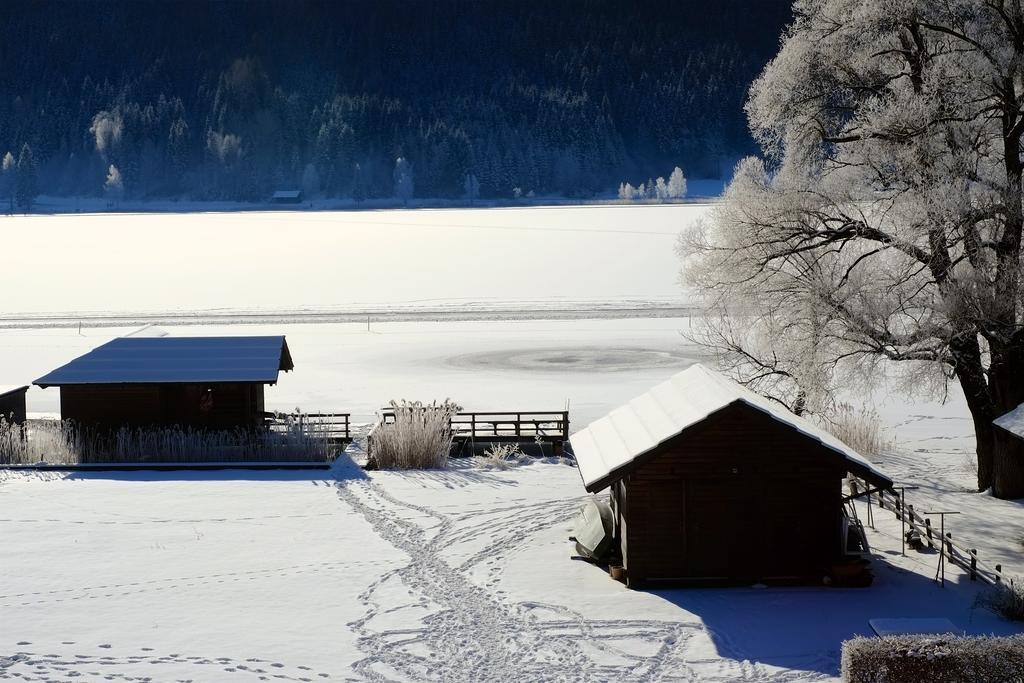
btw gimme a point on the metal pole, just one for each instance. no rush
(903, 515)
(940, 573)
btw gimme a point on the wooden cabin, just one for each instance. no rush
(12, 404)
(286, 197)
(154, 381)
(713, 484)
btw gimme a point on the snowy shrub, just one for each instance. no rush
(859, 428)
(418, 436)
(62, 443)
(1005, 599)
(503, 455)
(938, 659)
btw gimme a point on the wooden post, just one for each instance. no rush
(999, 573)
(949, 544)
(928, 530)
(974, 564)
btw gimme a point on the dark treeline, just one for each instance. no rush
(231, 100)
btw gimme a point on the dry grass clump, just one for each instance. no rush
(503, 455)
(942, 659)
(63, 443)
(1005, 599)
(859, 428)
(37, 441)
(418, 436)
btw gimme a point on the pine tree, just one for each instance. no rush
(677, 184)
(471, 187)
(8, 175)
(310, 182)
(114, 185)
(27, 186)
(403, 180)
(358, 183)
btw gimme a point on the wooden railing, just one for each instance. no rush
(335, 427)
(955, 551)
(506, 427)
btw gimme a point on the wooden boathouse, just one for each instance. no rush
(161, 381)
(714, 484)
(12, 404)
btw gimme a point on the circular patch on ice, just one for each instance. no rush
(586, 359)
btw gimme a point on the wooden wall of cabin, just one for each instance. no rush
(200, 406)
(739, 498)
(12, 407)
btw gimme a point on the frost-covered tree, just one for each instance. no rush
(661, 189)
(310, 182)
(403, 180)
(8, 177)
(471, 187)
(26, 184)
(358, 183)
(113, 187)
(677, 184)
(884, 228)
(627, 192)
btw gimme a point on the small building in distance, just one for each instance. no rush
(714, 484)
(12, 404)
(152, 381)
(286, 197)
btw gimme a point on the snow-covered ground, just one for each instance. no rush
(457, 575)
(294, 262)
(462, 574)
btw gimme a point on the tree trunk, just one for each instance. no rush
(971, 373)
(1006, 388)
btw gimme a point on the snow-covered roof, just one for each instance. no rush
(608, 448)
(148, 331)
(136, 360)
(6, 389)
(1012, 421)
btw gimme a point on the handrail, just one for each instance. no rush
(958, 553)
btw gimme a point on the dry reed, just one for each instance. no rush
(62, 443)
(419, 436)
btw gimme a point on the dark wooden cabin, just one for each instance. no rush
(12, 404)
(193, 382)
(286, 197)
(713, 484)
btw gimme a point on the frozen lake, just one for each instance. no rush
(518, 258)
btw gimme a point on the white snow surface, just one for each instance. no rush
(636, 428)
(295, 261)
(461, 574)
(456, 575)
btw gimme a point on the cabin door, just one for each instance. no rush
(721, 531)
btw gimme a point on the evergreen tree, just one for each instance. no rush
(310, 182)
(403, 180)
(113, 188)
(471, 187)
(677, 184)
(27, 184)
(358, 183)
(8, 176)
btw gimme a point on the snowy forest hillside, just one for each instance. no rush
(232, 100)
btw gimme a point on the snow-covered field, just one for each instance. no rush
(456, 575)
(176, 266)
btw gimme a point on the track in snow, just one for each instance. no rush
(467, 632)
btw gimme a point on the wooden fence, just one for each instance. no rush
(550, 427)
(955, 551)
(336, 428)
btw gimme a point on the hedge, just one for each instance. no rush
(937, 659)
